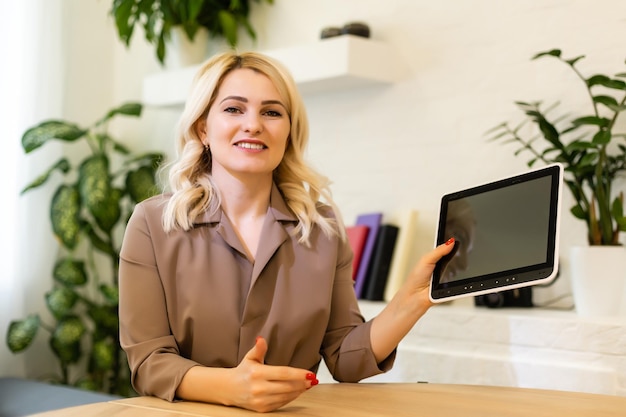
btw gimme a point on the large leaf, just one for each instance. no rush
(160, 48)
(21, 333)
(38, 135)
(62, 165)
(608, 101)
(127, 109)
(132, 109)
(97, 192)
(105, 317)
(195, 6)
(70, 272)
(228, 22)
(552, 52)
(591, 121)
(579, 212)
(98, 242)
(60, 301)
(617, 211)
(549, 131)
(579, 145)
(65, 215)
(108, 214)
(153, 159)
(111, 294)
(119, 147)
(140, 184)
(94, 181)
(602, 137)
(65, 340)
(124, 19)
(605, 81)
(103, 354)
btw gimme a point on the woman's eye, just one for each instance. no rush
(232, 110)
(273, 113)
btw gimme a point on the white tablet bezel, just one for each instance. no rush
(502, 280)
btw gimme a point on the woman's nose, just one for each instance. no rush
(252, 123)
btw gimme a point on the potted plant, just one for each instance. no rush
(158, 18)
(593, 153)
(87, 212)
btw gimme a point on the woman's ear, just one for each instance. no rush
(200, 129)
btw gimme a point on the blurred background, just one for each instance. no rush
(387, 148)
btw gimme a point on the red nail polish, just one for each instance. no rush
(310, 376)
(314, 382)
(450, 241)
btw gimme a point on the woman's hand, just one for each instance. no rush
(417, 286)
(251, 385)
(409, 304)
(264, 388)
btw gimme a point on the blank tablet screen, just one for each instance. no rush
(505, 232)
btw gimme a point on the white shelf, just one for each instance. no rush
(330, 64)
(519, 347)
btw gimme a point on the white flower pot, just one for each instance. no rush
(598, 275)
(181, 52)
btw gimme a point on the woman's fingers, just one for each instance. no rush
(270, 387)
(258, 351)
(419, 278)
(431, 258)
(427, 263)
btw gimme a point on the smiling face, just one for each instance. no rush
(247, 126)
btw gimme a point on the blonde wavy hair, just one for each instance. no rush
(190, 181)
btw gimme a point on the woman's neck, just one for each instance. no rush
(245, 203)
(244, 199)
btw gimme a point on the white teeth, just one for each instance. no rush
(250, 145)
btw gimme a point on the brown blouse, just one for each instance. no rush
(193, 298)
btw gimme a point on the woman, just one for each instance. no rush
(235, 284)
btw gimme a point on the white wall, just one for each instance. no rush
(385, 148)
(402, 146)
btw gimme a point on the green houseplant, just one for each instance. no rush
(87, 212)
(157, 18)
(589, 146)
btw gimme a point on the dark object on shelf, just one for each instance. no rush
(518, 297)
(357, 29)
(378, 269)
(330, 32)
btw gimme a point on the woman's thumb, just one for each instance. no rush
(257, 353)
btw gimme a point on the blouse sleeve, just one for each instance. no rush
(347, 349)
(153, 355)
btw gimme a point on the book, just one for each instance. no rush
(378, 269)
(402, 255)
(357, 235)
(372, 221)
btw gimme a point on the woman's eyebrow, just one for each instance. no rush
(266, 102)
(245, 100)
(237, 98)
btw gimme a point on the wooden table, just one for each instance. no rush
(372, 399)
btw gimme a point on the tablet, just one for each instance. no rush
(506, 235)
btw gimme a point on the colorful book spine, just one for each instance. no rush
(372, 221)
(357, 236)
(402, 254)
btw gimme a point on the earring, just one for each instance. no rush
(206, 148)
